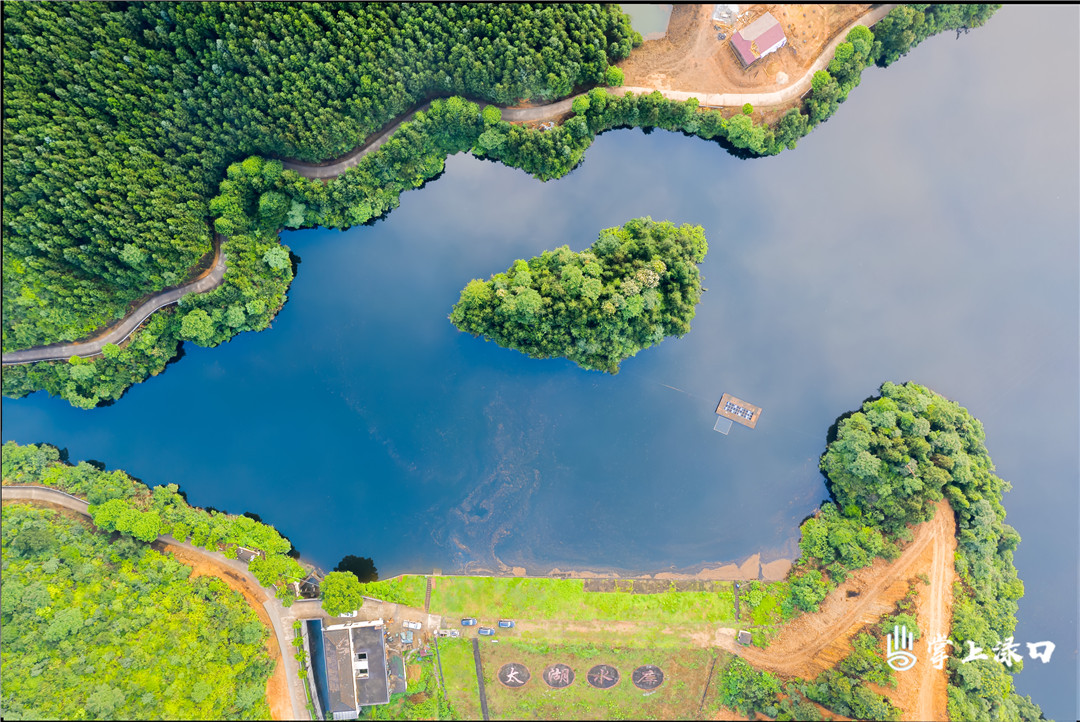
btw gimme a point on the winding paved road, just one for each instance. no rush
(119, 333)
(335, 167)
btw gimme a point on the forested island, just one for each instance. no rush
(122, 119)
(635, 285)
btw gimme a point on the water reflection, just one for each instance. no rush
(903, 240)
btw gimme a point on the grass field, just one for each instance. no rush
(460, 675)
(407, 590)
(679, 697)
(491, 598)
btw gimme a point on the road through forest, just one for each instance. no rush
(335, 167)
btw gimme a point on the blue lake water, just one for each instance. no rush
(927, 232)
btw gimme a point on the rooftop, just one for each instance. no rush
(760, 37)
(355, 655)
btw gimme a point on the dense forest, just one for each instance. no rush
(100, 629)
(120, 118)
(123, 504)
(116, 138)
(631, 288)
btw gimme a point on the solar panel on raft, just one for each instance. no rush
(738, 410)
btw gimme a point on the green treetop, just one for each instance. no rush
(341, 592)
(630, 289)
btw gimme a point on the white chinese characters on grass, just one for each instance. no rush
(898, 647)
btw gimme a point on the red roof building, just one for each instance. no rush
(758, 39)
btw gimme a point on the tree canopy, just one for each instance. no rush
(631, 288)
(889, 463)
(120, 118)
(341, 592)
(362, 567)
(100, 630)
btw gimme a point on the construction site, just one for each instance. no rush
(697, 54)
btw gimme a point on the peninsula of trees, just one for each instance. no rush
(631, 288)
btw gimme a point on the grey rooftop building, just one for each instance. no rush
(354, 665)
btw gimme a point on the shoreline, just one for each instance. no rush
(752, 568)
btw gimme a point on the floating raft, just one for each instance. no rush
(737, 410)
(723, 425)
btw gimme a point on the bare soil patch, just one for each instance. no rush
(277, 687)
(924, 696)
(815, 642)
(691, 58)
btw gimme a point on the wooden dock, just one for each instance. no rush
(738, 410)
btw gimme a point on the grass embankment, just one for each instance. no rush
(408, 590)
(561, 610)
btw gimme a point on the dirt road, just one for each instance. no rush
(934, 615)
(815, 642)
(277, 687)
(697, 66)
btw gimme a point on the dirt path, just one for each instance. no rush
(815, 642)
(277, 687)
(933, 611)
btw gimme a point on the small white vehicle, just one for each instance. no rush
(412, 625)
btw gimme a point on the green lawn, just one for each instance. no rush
(460, 675)
(491, 598)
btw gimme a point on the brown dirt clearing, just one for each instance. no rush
(690, 57)
(815, 642)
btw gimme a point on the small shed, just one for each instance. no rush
(246, 555)
(761, 37)
(309, 586)
(744, 638)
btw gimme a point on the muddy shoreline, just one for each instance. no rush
(752, 568)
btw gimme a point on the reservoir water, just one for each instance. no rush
(927, 232)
